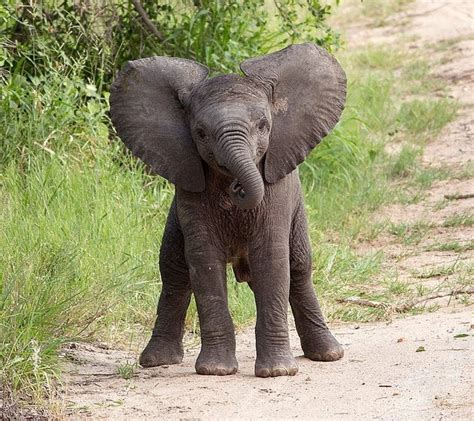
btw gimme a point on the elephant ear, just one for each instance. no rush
(308, 89)
(147, 111)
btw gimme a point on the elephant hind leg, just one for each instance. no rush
(317, 342)
(165, 346)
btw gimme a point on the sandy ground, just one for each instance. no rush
(382, 375)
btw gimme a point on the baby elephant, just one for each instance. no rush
(231, 145)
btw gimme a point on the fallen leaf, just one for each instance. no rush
(420, 349)
(461, 335)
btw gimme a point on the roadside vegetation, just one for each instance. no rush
(81, 220)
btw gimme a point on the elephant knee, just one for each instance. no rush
(175, 276)
(300, 265)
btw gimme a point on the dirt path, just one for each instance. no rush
(434, 260)
(414, 368)
(381, 377)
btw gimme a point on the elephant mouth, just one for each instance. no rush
(237, 189)
(224, 170)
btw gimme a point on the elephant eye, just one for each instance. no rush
(262, 124)
(200, 132)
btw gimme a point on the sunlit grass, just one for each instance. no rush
(426, 115)
(464, 219)
(410, 233)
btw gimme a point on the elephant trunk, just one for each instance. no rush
(247, 190)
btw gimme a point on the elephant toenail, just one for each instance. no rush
(280, 372)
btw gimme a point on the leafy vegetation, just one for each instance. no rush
(81, 221)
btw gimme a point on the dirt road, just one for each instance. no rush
(381, 377)
(415, 368)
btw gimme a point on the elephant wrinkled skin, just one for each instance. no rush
(231, 145)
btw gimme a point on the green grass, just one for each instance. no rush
(455, 246)
(410, 233)
(459, 220)
(466, 172)
(448, 44)
(397, 287)
(126, 370)
(374, 12)
(458, 267)
(375, 58)
(79, 247)
(419, 79)
(425, 177)
(379, 12)
(426, 115)
(406, 161)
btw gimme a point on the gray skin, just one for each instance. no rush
(231, 145)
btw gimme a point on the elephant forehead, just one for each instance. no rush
(226, 88)
(240, 109)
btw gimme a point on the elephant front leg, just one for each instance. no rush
(270, 284)
(165, 346)
(208, 282)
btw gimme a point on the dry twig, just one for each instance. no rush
(403, 307)
(459, 196)
(147, 21)
(363, 302)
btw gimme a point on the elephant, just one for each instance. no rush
(231, 145)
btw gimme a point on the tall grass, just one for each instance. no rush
(79, 245)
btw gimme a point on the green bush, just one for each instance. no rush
(97, 38)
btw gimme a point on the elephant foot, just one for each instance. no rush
(216, 362)
(322, 346)
(161, 352)
(276, 366)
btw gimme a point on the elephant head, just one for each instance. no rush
(178, 121)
